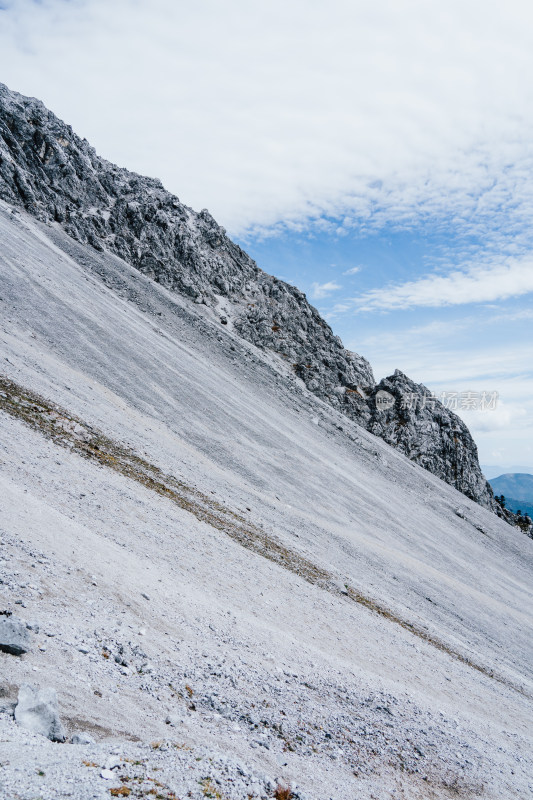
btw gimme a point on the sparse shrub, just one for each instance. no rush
(209, 790)
(283, 792)
(523, 521)
(500, 500)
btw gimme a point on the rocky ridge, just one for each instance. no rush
(58, 178)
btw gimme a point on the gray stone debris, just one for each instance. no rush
(38, 712)
(14, 636)
(33, 626)
(174, 720)
(82, 738)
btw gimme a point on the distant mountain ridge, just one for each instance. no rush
(491, 471)
(516, 485)
(58, 178)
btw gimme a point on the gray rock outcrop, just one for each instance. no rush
(38, 712)
(59, 178)
(429, 434)
(14, 636)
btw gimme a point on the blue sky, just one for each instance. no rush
(378, 155)
(455, 347)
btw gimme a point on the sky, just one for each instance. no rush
(376, 154)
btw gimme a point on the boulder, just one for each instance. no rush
(14, 636)
(82, 738)
(38, 712)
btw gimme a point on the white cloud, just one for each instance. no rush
(339, 308)
(454, 363)
(513, 316)
(352, 271)
(321, 290)
(361, 112)
(503, 418)
(477, 285)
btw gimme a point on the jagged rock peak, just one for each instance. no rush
(430, 434)
(59, 178)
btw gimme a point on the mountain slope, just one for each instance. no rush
(57, 177)
(338, 618)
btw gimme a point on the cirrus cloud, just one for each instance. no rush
(481, 284)
(347, 114)
(321, 290)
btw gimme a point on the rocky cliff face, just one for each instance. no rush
(429, 434)
(59, 178)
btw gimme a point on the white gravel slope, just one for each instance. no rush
(286, 682)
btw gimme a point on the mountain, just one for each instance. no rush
(494, 471)
(58, 178)
(517, 489)
(223, 583)
(519, 485)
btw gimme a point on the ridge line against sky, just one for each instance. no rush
(379, 155)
